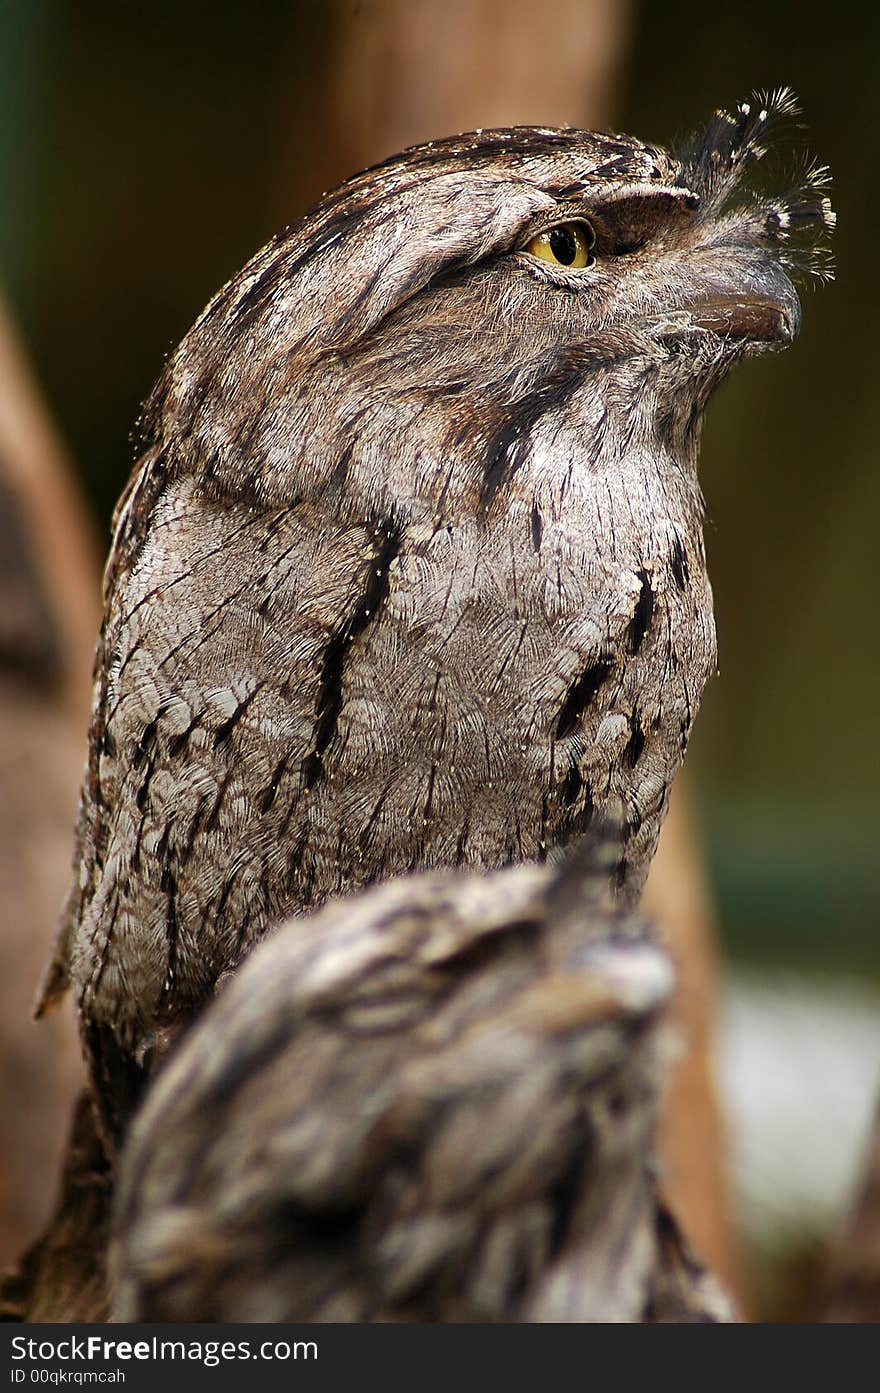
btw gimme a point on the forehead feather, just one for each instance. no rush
(552, 158)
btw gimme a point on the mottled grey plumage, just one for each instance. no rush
(433, 1101)
(410, 572)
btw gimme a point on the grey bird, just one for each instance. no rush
(410, 572)
(433, 1101)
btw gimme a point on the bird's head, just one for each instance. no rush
(469, 292)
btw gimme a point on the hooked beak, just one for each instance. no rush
(752, 301)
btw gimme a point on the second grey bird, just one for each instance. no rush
(410, 572)
(433, 1101)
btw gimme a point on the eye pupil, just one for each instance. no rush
(563, 245)
(567, 244)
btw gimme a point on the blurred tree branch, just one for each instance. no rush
(48, 619)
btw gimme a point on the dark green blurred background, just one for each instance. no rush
(147, 150)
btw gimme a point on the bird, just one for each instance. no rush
(410, 573)
(431, 1101)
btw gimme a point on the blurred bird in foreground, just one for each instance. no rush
(433, 1101)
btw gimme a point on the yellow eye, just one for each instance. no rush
(567, 244)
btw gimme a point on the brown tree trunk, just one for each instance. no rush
(49, 607)
(692, 1141)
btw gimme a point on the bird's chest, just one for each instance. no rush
(365, 701)
(527, 675)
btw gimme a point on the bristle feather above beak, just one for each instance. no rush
(794, 224)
